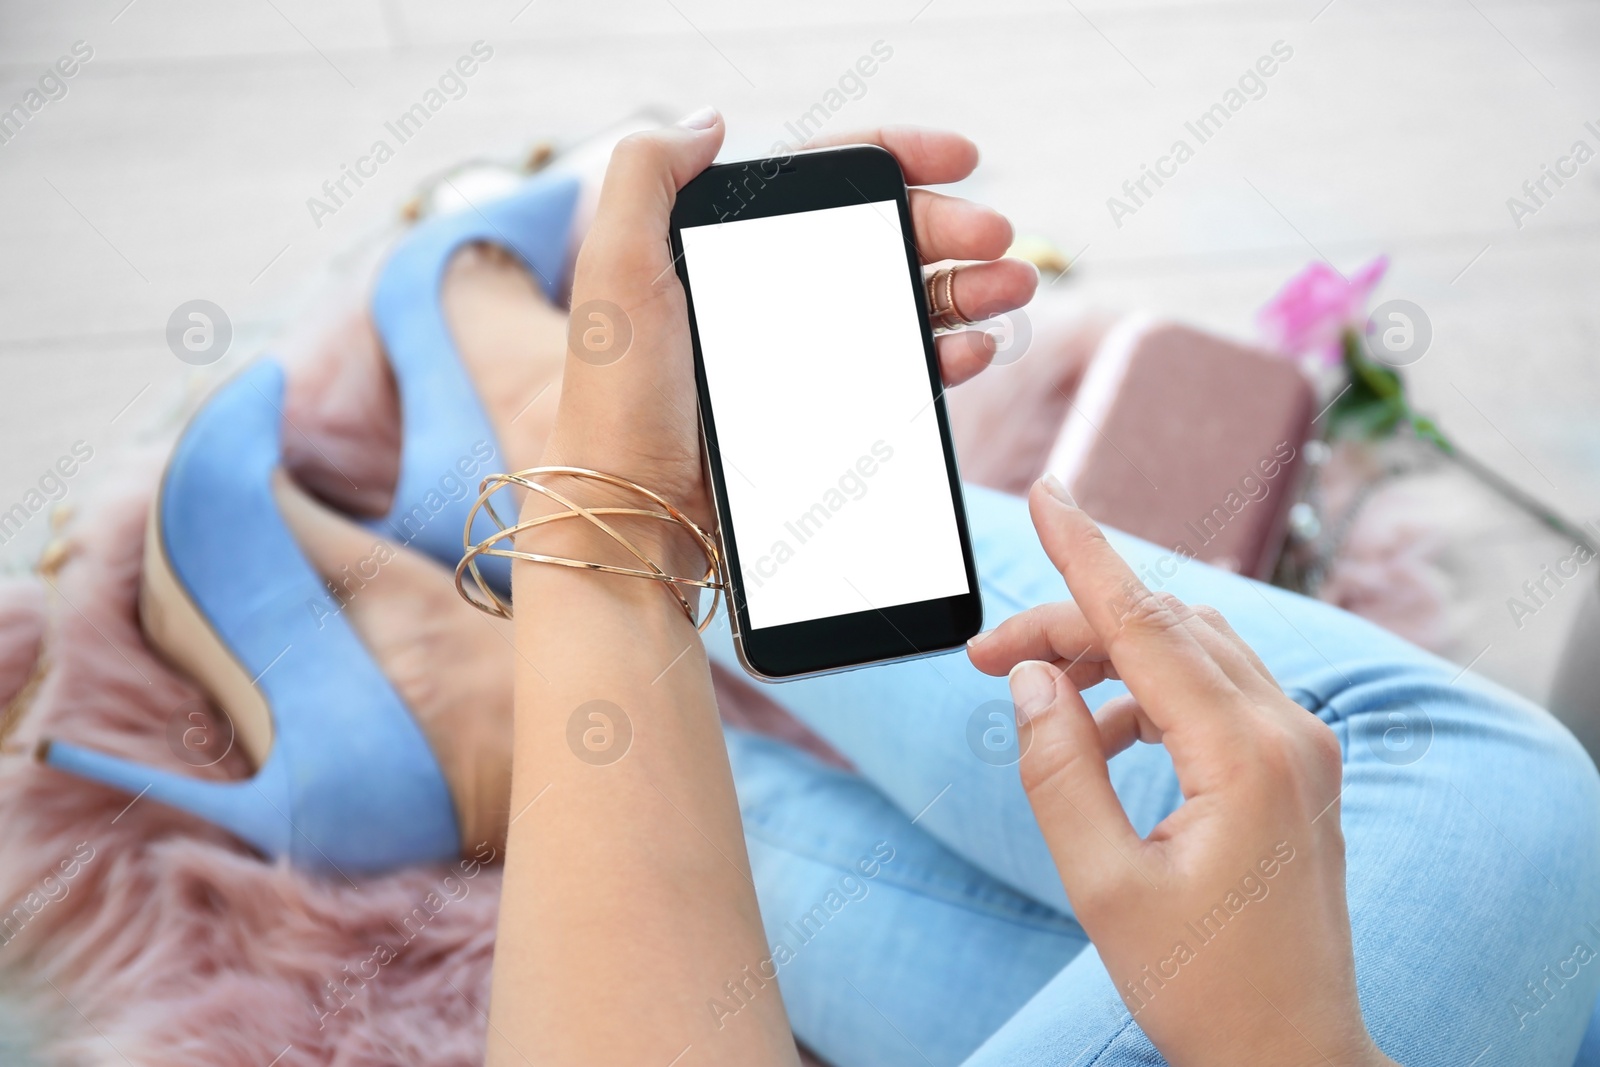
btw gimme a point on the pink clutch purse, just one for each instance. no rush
(1189, 441)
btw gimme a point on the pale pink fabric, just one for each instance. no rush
(173, 944)
(1394, 565)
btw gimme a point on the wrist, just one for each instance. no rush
(1339, 1046)
(662, 542)
(1268, 1036)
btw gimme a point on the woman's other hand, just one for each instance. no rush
(1225, 929)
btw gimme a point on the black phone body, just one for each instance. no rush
(843, 527)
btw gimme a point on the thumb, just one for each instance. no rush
(647, 169)
(1068, 784)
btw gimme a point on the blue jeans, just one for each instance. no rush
(921, 920)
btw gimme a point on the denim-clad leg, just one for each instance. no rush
(1472, 818)
(891, 950)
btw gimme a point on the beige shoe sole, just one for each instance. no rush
(176, 628)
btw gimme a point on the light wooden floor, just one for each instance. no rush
(179, 163)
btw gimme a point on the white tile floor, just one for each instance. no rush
(179, 162)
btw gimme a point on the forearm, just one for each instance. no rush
(627, 902)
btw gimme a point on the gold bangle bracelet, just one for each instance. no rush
(492, 603)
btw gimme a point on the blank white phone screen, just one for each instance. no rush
(824, 413)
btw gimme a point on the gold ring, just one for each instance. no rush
(944, 313)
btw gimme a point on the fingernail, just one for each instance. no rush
(1057, 490)
(1033, 686)
(972, 642)
(703, 119)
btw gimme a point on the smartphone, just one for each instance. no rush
(822, 413)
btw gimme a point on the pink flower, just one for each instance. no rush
(1311, 313)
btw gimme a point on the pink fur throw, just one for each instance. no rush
(147, 937)
(133, 934)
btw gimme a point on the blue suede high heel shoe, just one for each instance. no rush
(345, 778)
(447, 439)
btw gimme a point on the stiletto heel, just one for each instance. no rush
(345, 777)
(253, 811)
(446, 433)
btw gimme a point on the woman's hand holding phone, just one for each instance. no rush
(635, 416)
(1225, 929)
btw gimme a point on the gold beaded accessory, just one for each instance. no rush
(941, 293)
(492, 603)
